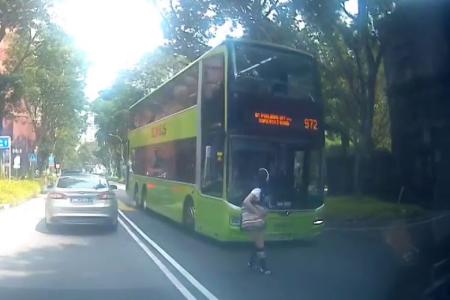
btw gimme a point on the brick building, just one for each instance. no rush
(16, 121)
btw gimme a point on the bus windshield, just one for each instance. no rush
(295, 173)
(285, 73)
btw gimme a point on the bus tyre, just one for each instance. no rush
(189, 214)
(135, 196)
(144, 199)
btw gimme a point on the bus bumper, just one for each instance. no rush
(281, 226)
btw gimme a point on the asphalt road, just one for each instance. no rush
(152, 258)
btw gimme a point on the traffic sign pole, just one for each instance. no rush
(10, 164)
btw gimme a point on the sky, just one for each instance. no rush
(114, 34)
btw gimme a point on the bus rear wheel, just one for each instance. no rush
(189, 214)
(135, 196)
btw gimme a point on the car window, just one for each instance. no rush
(87, 182)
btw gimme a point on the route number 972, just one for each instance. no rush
(311, 124)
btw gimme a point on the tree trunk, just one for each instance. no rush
(345, 142)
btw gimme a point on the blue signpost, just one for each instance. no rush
(32, 158)
(5, 146)
(5, 142)
(51, 161)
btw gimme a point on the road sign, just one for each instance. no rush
(16, 162)
(5, 142)
(32, 158)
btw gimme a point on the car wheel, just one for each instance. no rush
(50, 227)
(189, 215)
(113, 226)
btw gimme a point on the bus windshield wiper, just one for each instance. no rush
(257, 65)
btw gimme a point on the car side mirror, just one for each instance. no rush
(113, 187)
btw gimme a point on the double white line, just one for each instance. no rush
(183, 290)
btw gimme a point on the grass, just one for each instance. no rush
(368, 208)
(15, 191)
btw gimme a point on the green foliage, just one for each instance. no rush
(13, 192)
(86, 153)
(23, 19)
(190, 24)
(52, 79)
(22, 15)
(367, 209)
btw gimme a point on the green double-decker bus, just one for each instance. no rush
(197, 141)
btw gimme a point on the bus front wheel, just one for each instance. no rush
(144, 199)
(189, 214)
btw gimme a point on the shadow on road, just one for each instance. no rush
(75, 230)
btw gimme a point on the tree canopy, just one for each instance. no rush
(51, 81)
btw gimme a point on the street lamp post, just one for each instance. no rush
(121, 149)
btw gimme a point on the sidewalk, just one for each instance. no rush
(4, 207)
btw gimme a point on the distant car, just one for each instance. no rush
(81, 199)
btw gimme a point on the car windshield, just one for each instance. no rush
(82, 182)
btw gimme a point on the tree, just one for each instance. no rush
(52, 78)
(357, 54)
(23, 19)
(86, 154)
(22, 15)
(190, 25)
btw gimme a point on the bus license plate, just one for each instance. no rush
(280, 226)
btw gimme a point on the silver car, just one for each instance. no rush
(81, 199)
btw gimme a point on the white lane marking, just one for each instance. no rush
(172, 261)
(183, 290)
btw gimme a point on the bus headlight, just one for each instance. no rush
(318, 222)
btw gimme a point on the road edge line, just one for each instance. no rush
(183, 290)
(172, 261)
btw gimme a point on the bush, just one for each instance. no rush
(368, 208)
(16, 191)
